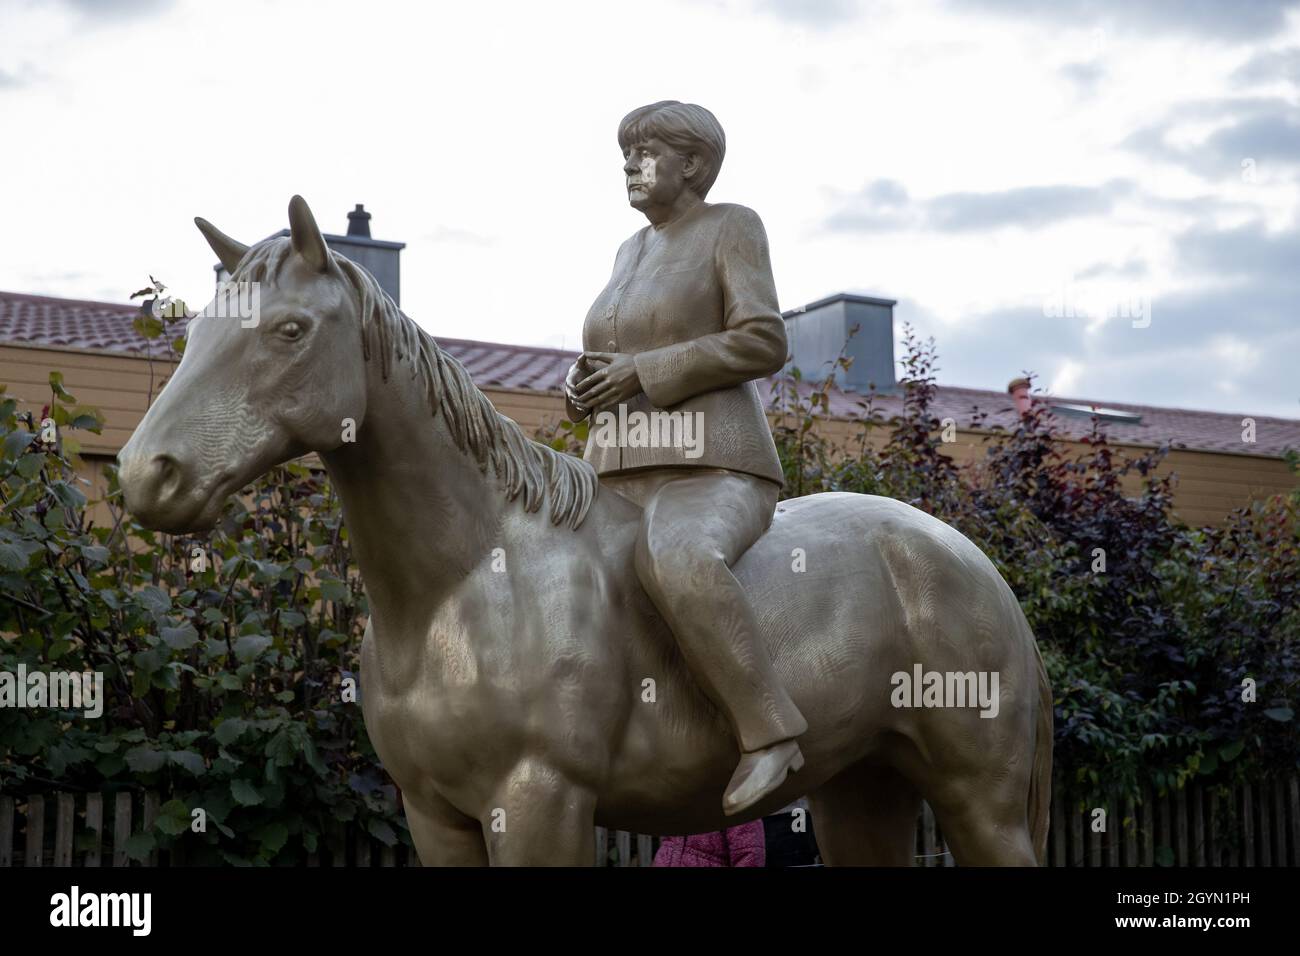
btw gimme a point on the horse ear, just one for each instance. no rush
(305, 235)
(228, 250)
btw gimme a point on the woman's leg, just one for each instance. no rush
(694, 528)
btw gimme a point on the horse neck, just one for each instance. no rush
(419, 512)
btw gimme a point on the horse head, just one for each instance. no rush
(256, 386)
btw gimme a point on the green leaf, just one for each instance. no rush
(189, 760)
(145, 759)
(16, 556)
(180, 638)
(1232, 750)
(154, 599)
(67, 495)
(381, 831)
(272, 837)
(16, 442)
(173, 817)
(147, 325)
(334, 590)
(245, 793)
(56, 385)
(229, 730)
(250, 646)
(140, 845)
(1280, 714)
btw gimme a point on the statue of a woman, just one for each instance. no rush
(687, 322)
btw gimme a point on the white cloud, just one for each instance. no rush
(483, 136)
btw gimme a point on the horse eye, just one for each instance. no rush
(289, 330)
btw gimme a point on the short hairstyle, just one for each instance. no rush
(687, 128)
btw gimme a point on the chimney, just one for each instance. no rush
(380, 257)
(1018, 389)
(359, 222)
(818, 332)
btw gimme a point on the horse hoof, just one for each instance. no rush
(759, 773)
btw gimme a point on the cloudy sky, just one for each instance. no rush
(1032, 181)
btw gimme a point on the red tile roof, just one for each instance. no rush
(101, 326)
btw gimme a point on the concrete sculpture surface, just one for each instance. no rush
(519, 679)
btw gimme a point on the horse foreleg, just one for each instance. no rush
(540, 817)
(866, 816)
(443, 835)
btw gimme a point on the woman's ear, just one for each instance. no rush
(690, 165)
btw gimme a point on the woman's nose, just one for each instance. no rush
(630, 165)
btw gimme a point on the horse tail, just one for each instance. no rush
(1040, 781)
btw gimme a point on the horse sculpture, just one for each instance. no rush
(516, 682)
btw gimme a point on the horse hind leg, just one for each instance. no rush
(985, 822)
(866, 816)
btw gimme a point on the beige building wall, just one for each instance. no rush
(1210, 483)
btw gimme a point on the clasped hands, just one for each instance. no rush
(601, 378)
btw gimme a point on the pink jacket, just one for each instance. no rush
(736, 846)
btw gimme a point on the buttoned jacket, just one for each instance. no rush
(694, 302)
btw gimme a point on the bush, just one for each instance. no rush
(1147, 657)
(223, 658)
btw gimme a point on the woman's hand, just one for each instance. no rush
(577, 371)
(614, 379)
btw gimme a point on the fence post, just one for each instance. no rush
(7, 831)
(1094, 842)
(1234, 833)
(1130, 832)
(63, 829)
(1077, 857)
(1198, 825)
(1279, 822)
(95, 825)
(339, 845)
(35, 846)
(623, 845)
(645, 848)
(1248, 823)
(602, 846)
(1180, 827)
(150, 817)
(1058, 827)
(121, 827)
(1295, 822)
(1148, 828)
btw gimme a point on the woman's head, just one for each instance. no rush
(690, 130)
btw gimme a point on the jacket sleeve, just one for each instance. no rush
(745, 846)
(752, 342)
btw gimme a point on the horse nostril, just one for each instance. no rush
(166, 476)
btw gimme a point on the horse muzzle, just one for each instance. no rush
(162, 492)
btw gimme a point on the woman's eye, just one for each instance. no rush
(290, 330)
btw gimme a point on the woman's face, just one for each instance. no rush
(656, 173)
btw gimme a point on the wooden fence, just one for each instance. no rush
(1254, 825)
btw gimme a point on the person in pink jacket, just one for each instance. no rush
(735, 846)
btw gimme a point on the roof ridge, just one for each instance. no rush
(127, 306)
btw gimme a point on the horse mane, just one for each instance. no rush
(525, 466)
